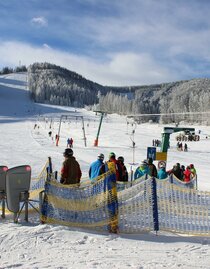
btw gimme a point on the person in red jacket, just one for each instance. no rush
(187, 175)
(70, 171)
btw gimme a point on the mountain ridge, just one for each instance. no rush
(53, 84)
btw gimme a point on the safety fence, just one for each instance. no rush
(145, 204)
(91, 206)
(142, 205)
(183, 210)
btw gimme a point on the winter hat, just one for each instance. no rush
(68, 152)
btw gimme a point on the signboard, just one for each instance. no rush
(151, 153)
(161, 156)
(161, 164)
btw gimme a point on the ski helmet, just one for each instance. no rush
(120, 158)
(112, 155)
(68, 152)
(144, 162)
(101, 156)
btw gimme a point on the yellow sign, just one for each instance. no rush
(161, 156)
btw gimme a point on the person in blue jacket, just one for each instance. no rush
(141, 170)
(162, 174)
(97, 168)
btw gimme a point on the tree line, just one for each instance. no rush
(55, 85)
(8, 70)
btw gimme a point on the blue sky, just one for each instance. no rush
(112, 42)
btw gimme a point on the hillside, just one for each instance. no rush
(52, 84)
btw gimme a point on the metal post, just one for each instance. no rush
(83, 128)
(26, 210)
(133, 146)
(59, 129)
(165, 142)
(51, 123)
(15, 217)
(3, 208)
(49, 169)
(196, 182)
(41, 201)
(131, 175)
(155, 205)
(96, 140)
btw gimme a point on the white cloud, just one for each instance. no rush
(39, 21)
(46, 46)
(119, 70)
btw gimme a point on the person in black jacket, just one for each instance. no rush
(124, 176)
(152, 168)
(177, 171)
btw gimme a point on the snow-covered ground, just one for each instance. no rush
(31, 245)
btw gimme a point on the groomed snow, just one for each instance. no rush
(32, 245)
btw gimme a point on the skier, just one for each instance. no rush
(177, 145)
(97, 168)
(187, 175)
(152, 168)
(182, 171)
(185, 147)
(141, 170)
(162, 174)
(192, 169)
(124, 177)
(68, 143)
(71, 142)
(177, 171)
(114, 165)
(70, 171)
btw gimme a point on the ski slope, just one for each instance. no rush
(44, 246)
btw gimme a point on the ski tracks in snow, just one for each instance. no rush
(39, 136)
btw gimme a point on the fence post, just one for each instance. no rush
(155, 205)
(112, 203)
(49, 169)
(171, 179)
(43, 204)
(131, 175)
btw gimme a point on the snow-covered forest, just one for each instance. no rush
(52, 84)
